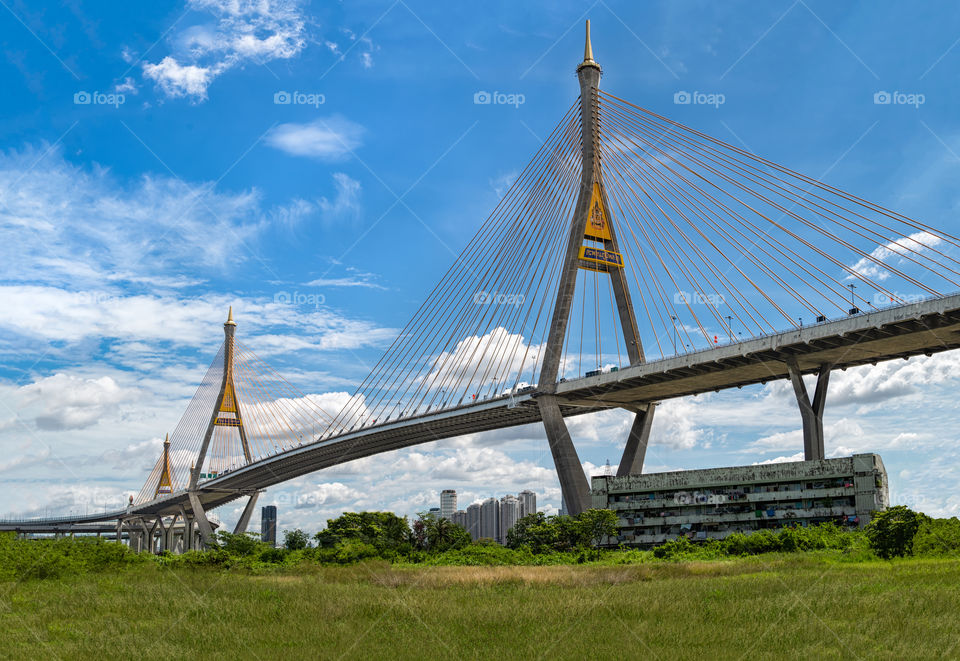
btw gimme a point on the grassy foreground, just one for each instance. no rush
(798, 606)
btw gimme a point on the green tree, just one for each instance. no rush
(891, 533)
(597, 525)
(242, 544)
(443, 535)
(438, 534)
(294, 540)
(385, 531)
(938, 537)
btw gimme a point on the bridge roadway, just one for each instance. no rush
(923, 328)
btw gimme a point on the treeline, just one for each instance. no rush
(535, 540)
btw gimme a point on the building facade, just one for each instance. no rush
(509, 515)
(268, 524)
(714, 503)
(490, 519)
(473, 521)
(448, 503)
(528, 502)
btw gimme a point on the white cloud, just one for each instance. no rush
(176, 79)
(64, 223)
(346, 204)
(128, 86)
(241, 31)
(328, 139)
(67, 402)
(905, 246)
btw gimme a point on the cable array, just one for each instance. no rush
(274, 415)
(718, 245)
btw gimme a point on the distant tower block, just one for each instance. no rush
(448, 503)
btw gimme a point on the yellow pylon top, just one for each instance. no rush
(230, 321)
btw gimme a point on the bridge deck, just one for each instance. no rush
(921, 328)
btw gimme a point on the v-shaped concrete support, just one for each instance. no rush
(811, 412)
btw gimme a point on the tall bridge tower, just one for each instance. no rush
(226, 413)
(592, 244)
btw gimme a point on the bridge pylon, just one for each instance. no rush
(165, 481)
(226, 413)
(592, 244)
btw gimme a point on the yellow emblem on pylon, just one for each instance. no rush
(597, 221)
(228, 405)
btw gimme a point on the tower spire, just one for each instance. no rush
(230, 321)
(588, 60)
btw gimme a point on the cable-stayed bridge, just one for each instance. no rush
(634, 260)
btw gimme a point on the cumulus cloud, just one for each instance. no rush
(230, 33)
(67, 402)
(328, 139)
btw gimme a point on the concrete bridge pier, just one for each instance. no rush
(633, 454)
(244, 520)
(573, 481)
(811, 411)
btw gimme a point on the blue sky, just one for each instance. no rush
(131, 222)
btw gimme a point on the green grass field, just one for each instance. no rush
(800, 606)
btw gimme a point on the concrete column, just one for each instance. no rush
(573, 481)
(206, 532)
(162, 540)
(589, 75)
(244, 521)
(170, 541)
(811, 412)
(633, 454)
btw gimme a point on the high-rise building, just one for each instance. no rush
(434, 512)
(528, 502)
(509, 513)
(473, 521)
(268, 524)
(460, 518)
(490, 519)
(448, 503)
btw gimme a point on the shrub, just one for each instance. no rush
(891, 533)
(938, 537)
